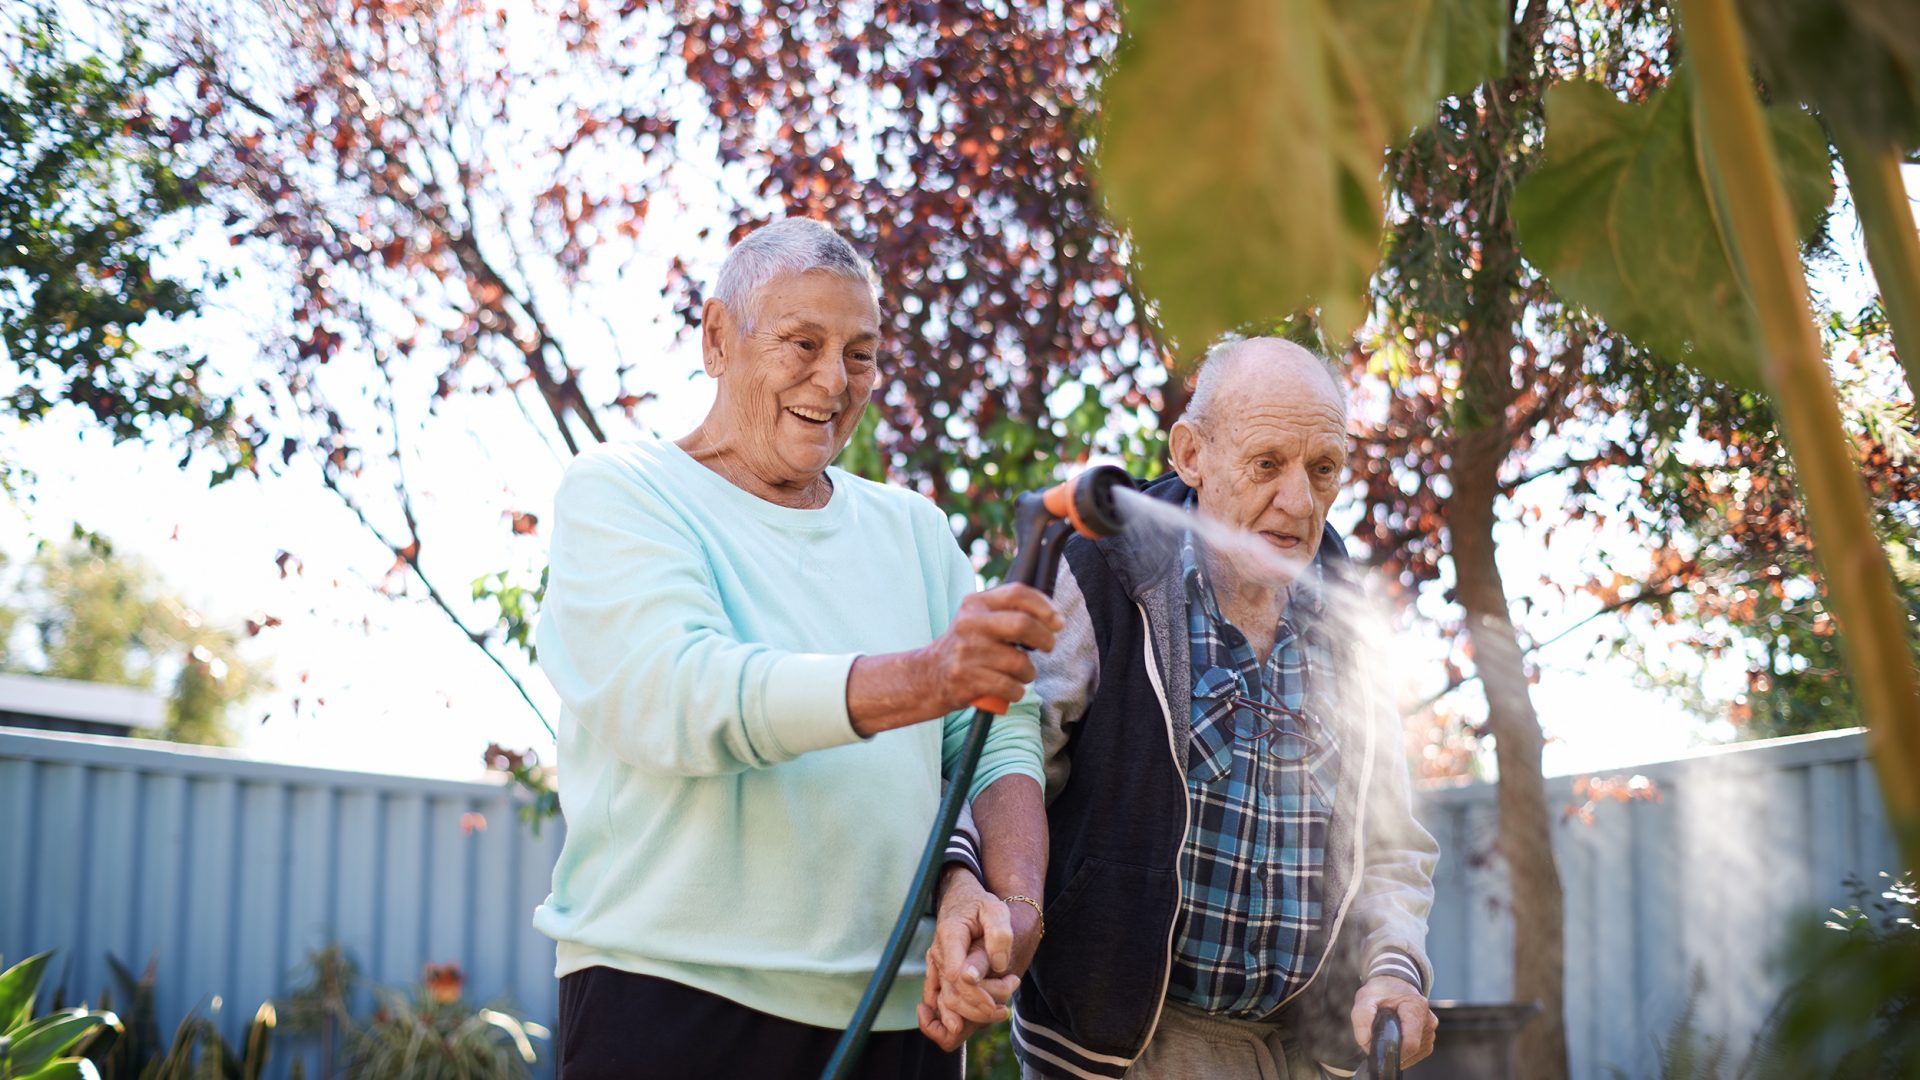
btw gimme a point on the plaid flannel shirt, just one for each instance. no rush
(1251, 867)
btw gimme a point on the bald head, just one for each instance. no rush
(1264, 442)
(1234, 370)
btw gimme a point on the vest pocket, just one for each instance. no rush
(1102, 962)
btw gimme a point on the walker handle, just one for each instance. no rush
(1383, 1061)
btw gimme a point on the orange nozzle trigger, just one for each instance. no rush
(1060, 502)
(994, 705)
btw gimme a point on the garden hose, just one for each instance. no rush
(1043, 520)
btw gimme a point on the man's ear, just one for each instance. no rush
(716, 329)
(1183, 450)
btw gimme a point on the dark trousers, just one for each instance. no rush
(615, 1025)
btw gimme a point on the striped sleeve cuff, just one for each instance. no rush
(1399, 965)
(963, 847)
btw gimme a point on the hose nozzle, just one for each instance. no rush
(1085, 501)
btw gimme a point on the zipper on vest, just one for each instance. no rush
(1186, 819)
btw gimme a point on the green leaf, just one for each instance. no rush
(64, 1069)
(1412, 54)
(1857, 61)
(19, 986)
(1244, 141)
(1618, 215)
(51, 1036)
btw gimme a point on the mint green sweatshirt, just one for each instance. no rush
(726, 828)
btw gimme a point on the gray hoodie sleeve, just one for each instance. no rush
(1066, 678)
(1396, 884)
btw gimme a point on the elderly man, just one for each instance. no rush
(1236, 882)
(747, 643)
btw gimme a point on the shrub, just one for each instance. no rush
(1853, 1007)
(42, 1047)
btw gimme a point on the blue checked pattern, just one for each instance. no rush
(1251, 881)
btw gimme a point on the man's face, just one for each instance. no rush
(795, 384)
(1269, 459)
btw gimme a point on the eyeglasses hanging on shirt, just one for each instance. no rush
(1287, 728)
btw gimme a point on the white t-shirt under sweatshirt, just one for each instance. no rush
(726, 828)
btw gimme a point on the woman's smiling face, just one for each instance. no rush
(795, 374)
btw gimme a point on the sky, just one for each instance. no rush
(385, 683)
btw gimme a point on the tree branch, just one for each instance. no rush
(413, 563)
(1645, 595)
(410, 552)
(1524, 479)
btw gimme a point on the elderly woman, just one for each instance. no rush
(748, 643)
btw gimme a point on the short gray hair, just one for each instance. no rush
(1220, 360)
(794, 246)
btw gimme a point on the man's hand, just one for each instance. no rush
(973, 938)
(1417, 1022)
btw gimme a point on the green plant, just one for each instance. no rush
(437, 1036)
(523, 768)
(1688, 1053)
(135, 1042)
(46, 1047)
(199, 1052)
(101, 615)
(990, 1054)
(1853, 1003)
(432, 1034)
(97, 179)
(320, 1006)
(133, 1050)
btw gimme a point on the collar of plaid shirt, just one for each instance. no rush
(1251, 882)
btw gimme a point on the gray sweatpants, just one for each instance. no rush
(1193, 1045)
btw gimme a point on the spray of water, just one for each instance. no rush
(1249, 554)
(1354, 617)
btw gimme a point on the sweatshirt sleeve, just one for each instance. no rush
(634, 639)
(1013, 744)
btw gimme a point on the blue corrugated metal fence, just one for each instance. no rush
(1743, 840)
(226, 872)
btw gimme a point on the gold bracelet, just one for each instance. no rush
(1039, 916)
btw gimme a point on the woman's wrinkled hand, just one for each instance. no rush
(983, 652)
(981, 655)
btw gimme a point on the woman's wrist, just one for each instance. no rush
(885, 692)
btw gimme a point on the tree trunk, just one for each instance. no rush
(1482, 442)
(1525, 838)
